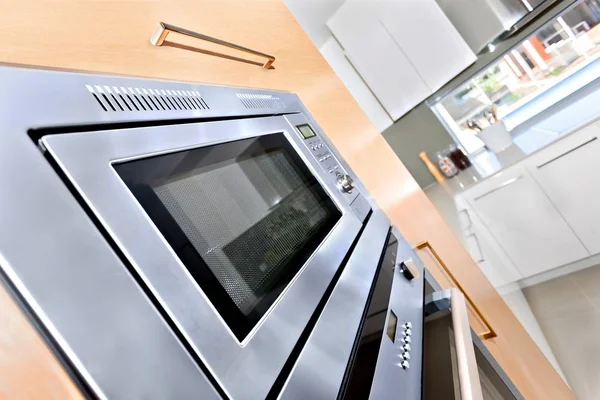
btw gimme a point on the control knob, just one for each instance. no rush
(345, 183)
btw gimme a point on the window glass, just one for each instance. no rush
(557, 51)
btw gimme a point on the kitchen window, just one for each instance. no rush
(563, 52)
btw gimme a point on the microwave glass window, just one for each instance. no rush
(306, 131)
(243, 217)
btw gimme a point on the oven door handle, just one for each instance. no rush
(454, 300)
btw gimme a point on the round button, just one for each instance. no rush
(406, 347)
(406, 339)
(408, 332)
(345, 183)
(405, 364)
(408, 325)
(406, 356)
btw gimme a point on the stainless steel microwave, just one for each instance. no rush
(175, 240)
(172, 238)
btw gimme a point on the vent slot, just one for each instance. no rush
(121, 99)
(254, 101)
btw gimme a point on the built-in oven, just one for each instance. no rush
(398, 335)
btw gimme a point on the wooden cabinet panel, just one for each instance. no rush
(28, 370)
(567, 171)
(525, 222)
(113, 37)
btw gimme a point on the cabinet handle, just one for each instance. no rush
(163, 29)
(490, 333)
(481, 259)
(502, 185)
(568, 152)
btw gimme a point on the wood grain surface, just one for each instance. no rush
(28, 370)
(112, 36)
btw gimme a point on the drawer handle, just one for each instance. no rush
(163, 29)
(502, 185)
(490, 333)
(568, 152)
(481, 258)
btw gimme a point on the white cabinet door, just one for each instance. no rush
(524, 222)
(334, 55)
(428, 39)
(568, 173)
(484, 248)
(376, 56)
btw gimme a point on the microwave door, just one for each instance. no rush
(449, 364)
(233, 227)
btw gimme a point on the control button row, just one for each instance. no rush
(406, 340)
(325, 158)
(316, 147)
(333, 169)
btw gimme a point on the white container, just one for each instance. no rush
(496, 137)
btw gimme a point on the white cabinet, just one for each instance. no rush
(524, 222)
(336, 58)
(403, 49)
(428, 39)
(380, 62)
(568, 172)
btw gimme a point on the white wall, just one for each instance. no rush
(312, 16)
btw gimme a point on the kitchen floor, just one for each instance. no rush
(568, 312)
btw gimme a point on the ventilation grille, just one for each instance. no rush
(260, 101)
(120, 99)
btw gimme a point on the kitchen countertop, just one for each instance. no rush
(555, 123)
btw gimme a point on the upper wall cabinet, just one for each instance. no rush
(404, 50)
(377, 58)
(428, 38)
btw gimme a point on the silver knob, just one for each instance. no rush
(406, 347)
(406, 356)
(408, 325)
(408, 332)
(406, 339)
(405, 364)
(345, 183)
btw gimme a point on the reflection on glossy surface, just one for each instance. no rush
(242, 216)
(371, 335)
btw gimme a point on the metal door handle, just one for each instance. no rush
(163, 29)
(468, 374)
(568, 152)
(490, 333)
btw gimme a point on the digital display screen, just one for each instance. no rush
(306, 131)
(391, 326)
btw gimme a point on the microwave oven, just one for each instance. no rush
(176, 240)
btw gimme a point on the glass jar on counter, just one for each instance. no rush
(446, 165)
(459, 158)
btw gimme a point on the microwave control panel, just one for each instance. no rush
(325, 158)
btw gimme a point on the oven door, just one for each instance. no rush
(456, 364)
(233, 227)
